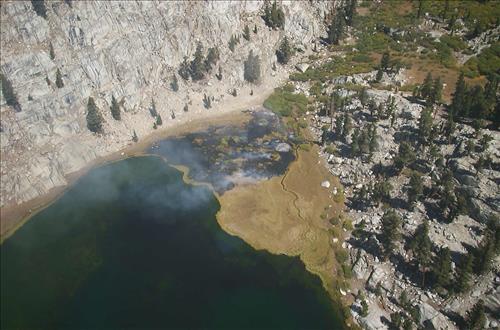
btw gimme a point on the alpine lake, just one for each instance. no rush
(133, 245)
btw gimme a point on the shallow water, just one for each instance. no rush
(132, 245)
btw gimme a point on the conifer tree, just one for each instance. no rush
(255, 29)
(175, 83)
(422, 247)
(152, 109)
(346, 126)
(184, 70)
(391, 224)
(336, 28)
(284, 52)
(415, 189)
(437, 91)
(441, 268)
(232, 43)
(246, 33)
(51, 52)
(426, 88)
(159, 122)
(135, 138)
(274, 17)
(251, 67)
(476, 319)
(59, 81)
(405, 156)
(425, 126)
(379, 75)
(39, 8)
(464, 274)
(197, 65)
(355, 142)
(458, 100)
(212, 58)
(381, 191)
(219, 74)
(94, 118)
(385, 61)
(350, 11)
(9, 94)
(115, 109)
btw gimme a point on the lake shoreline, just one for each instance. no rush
(14, 217)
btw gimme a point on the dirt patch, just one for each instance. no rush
(266, 215)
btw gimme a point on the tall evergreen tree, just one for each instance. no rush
(437, 91)
(464, 274)
(39, 8)
(425, 126)
(174, 84)
(385, 61)
(9, 94)
(135, 138)
(94, 118)
(274, 17)
(152, 109)
(459, 96)
(159, 122)
(336, 28)
(251, 68)
(422, 247)
(51, 52)
(284, 52)
(115, 109)
(426, 88)
(59, 81)
(415, 189)
(197, 65)
(441, 268)
(212, 58)
(405, 156)
(350, 11)
(476, 318)
(391, 224)
(246, 33)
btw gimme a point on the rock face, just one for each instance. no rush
(129, 50)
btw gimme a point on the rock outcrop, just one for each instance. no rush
(129, 50)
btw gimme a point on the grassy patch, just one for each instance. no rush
(283, 102)
(337, 66)
(487, 62)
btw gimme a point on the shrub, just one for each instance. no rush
(284, 103)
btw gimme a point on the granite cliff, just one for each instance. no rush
(129, 50)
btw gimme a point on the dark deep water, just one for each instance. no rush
(133, 246)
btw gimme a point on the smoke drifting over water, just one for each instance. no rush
(225, 156)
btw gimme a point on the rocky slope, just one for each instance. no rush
(126, 49)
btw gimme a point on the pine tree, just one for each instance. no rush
(274, 17)
(39, 8)
(379, 75)
(51, 52)
(336, 28)
(476, 319)
(422, 247)
(94, 118)
(135, 138)
(152, 109)
(415, 189)
(346, 126)
(9, 94)
(363, 96)
(437, 91)
(425, 126)
(385, 61)
(59, 81)
(405, 156)
(255, 29)
(159, 122)
(212, 58)
(115, 109)
(174, 84)
(391, 224)
(219, 74)
(232, 43)
(420, 8)
(350, 11)
(251, 67)
(381, 191)
(464, 274)
(426, 88)
(459, 96)
(197, 65)
(246, 33)
(355, 142)
(184, 70)
(364, 308)
(284, 52)
(441, 268)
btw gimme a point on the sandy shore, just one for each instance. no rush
(13, 217)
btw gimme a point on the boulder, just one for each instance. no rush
(325, 184)
(302, 67)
